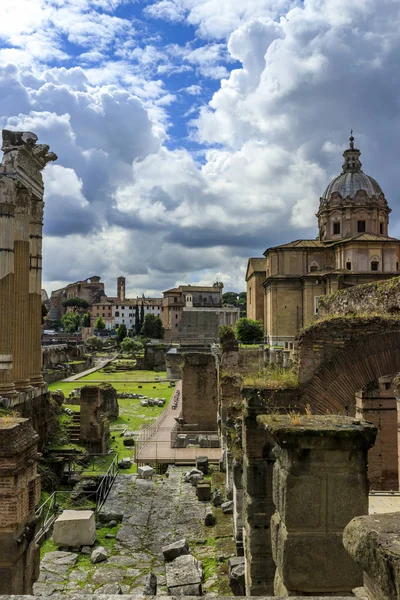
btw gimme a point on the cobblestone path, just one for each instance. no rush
(155, 513)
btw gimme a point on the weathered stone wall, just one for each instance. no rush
(319, 484)
(377, 403)
(339, 356)
(199, 391)
(19, 493)
(173, 364)
(94, 425)
(55, 355)
(381, 297)
(258, 507)
(198, 324)
(154, 357)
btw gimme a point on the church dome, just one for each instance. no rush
(352, 179)
(348, 184)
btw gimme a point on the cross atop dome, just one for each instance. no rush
(352, 163)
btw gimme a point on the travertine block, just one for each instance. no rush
(75, 528)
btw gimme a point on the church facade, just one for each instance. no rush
(353, 247)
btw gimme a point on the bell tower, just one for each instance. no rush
(121, 281)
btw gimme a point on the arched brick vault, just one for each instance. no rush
(339, 356)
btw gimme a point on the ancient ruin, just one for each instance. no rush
(251, 477)
(19, 494)
(21, 216)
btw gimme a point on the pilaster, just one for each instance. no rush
(21, 317)
(35, 296)
(7, 210)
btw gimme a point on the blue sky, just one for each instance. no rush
(192, 134)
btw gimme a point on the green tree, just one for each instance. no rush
(152, 327)
(249, 331)
(137, 320)
(121, 333)
(227, 337)
(86, 320)
(45, 311)
(75, 303)
(94, 343)
(230, 298)
(100, 324)
(242, 303)
(129, 346)
(71, 322)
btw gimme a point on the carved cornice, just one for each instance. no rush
(24, 160)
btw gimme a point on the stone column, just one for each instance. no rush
(7, 209)
(19, 494)
(257, 500)
(35, 293)
(22, 163)
(21, 316)
(319, 484)
(199, 392)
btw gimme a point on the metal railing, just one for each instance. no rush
(106, 483)
(90, 463)
(59, 500)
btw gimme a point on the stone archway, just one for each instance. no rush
(339, 356)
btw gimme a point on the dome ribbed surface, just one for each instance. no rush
(348, 184)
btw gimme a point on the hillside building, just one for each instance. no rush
(195, 312)
(353, 247)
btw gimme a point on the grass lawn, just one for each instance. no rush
(131, 413)
(121, 375)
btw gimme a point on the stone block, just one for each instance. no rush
(184, 576)
(98, 555)
(203, 491)
(373, 542)
(75, 528)
(227, 507)
(146, 472)
(202, 464)
(172, 551)
(209, 519)
(150, 585)
(236, 575)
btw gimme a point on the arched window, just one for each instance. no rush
(313, 267)
(374, 265)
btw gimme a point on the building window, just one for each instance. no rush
(176, 316)
(250, 296)
(374, 265)
(387, 385)
(175, 299)
(316, 304)
(381, 228)
(117, 313)
(313, 268)
(361, 226)
(336, 228)
(348, 265)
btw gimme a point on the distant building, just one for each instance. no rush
(185, 309)
(121, 310)
(353, 247)
(90, 289)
